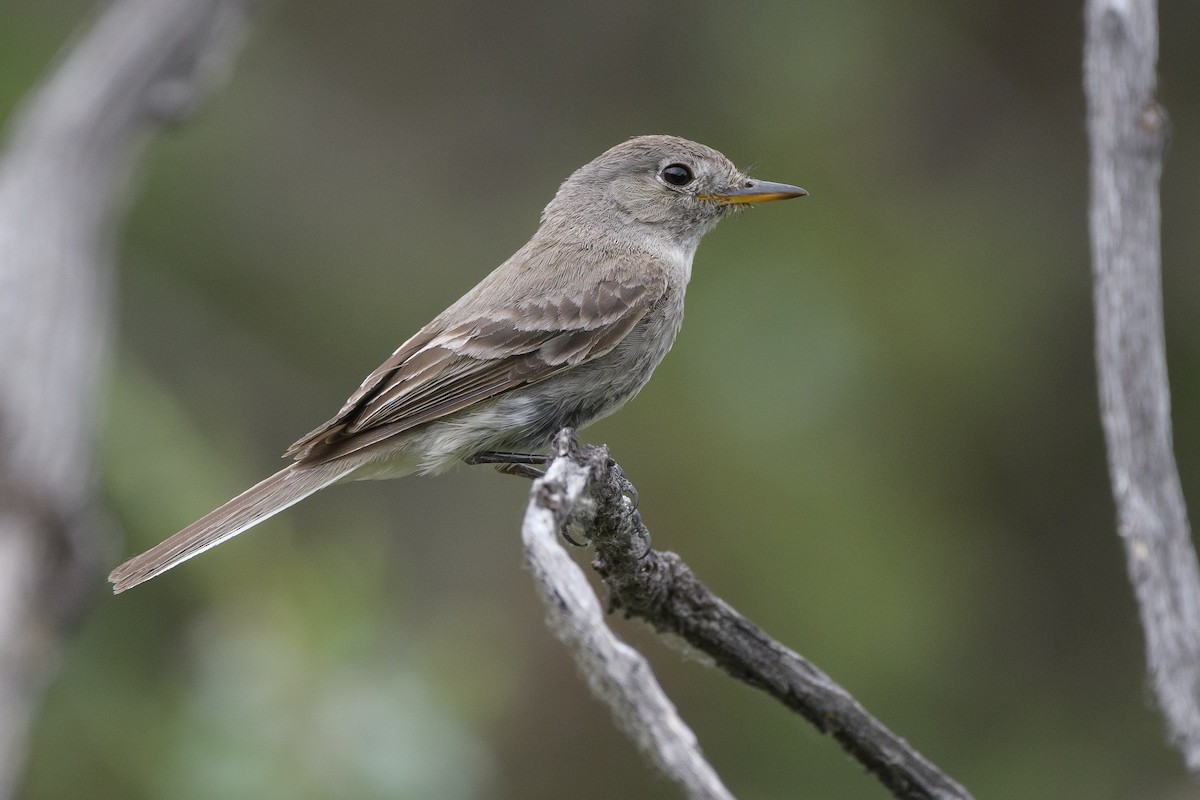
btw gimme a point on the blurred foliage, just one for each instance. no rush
(877, 435)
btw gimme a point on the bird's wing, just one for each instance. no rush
(446, 368)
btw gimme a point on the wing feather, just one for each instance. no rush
(444, 369)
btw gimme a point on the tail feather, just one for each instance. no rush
(263, 500)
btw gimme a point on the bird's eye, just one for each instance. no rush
(677, 175)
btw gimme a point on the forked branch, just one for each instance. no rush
(585, 490)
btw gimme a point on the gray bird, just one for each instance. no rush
(561, 334)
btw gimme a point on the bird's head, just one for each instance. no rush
(659, 186)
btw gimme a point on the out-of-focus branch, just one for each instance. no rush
(65, 176)
(1127, 129)
(659, 588)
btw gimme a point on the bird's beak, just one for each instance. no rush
(754, 191)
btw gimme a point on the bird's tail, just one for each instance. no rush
(263, 500)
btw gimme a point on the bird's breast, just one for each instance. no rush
(597, 388)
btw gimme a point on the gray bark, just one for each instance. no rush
(65, 177)
(1127, 129)
(586, 491)
(615, 672)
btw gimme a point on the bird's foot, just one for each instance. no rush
(523, 465)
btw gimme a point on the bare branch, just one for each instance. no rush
(659, 588)
(64, 178)
(1127, 129)
(616, 673)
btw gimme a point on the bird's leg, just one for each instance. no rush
(519, 464)
(521, 471)
(522, 465)
(498, 457)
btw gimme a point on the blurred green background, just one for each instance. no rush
(877, 434)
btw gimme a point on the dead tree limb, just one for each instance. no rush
(615, 672)
(1127, 129)
(65, 177)
(660, 589)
